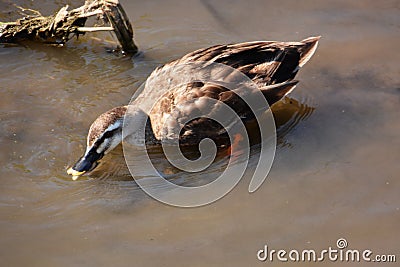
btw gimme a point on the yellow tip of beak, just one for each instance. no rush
(75, 174)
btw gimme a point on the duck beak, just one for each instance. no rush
(85, 164)
(75, 174)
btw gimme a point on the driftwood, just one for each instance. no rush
(62, 26)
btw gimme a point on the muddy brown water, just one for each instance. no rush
(335, 175)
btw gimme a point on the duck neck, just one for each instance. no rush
(135, 127)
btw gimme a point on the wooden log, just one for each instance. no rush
(122, 27)
(60, 27)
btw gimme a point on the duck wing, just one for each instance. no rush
(265, 62)
(271, 65)
(188, 108)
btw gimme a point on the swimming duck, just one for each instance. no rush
(271, 65)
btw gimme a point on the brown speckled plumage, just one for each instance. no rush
(270, 65)
(103, 122)
(265, 63)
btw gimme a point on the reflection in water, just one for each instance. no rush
(288, 114)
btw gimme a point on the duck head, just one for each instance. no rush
(104, 135)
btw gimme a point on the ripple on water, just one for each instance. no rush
(289, 113)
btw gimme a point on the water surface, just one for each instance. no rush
(335, 174)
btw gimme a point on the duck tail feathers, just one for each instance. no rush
(308, 49)
(275, 92)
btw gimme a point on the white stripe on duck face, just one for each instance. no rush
(117, 124)
(110, 143)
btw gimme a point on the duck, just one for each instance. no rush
(271, 65)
